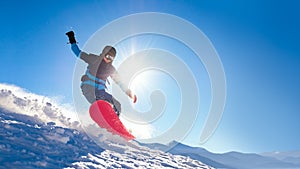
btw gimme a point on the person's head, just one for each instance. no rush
(109, 54)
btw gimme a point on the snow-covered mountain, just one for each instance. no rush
(37, 133)
(289, 156)
(234, 160)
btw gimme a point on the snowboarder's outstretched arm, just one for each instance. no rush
(116, 77)
(88, 58)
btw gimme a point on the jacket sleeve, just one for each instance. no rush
(117, 79)
(88, 58)
(75, 49)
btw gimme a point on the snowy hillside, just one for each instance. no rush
(35, 132)
(38, 132)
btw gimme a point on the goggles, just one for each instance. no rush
(109, 57)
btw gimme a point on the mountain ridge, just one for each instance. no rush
(230, 160)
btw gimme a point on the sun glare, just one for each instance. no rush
(140, 87)
(139, 131)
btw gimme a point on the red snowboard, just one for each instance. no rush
(104, 115)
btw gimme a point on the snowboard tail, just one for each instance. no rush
(104, 115)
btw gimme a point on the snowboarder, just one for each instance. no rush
(93, 82)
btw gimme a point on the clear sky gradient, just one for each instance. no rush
(257, 41)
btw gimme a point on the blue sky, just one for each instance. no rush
(257, 42)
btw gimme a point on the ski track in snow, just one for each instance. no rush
(37, 133)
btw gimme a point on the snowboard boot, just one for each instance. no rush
(117, 111)
(71, 37)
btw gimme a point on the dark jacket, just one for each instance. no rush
(98, 68)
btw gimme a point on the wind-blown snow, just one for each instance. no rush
(16, 99)
(36, 132)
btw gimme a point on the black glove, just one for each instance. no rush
(71, 37)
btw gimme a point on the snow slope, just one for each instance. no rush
(36, 132)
